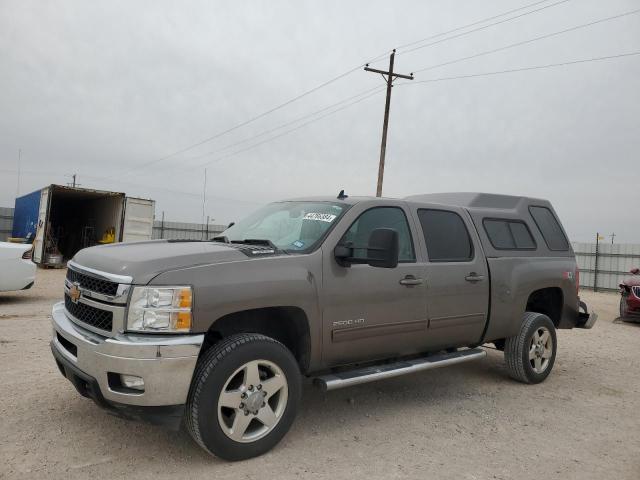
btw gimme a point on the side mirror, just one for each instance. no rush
(382, 250)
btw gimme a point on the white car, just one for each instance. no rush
(17, 271)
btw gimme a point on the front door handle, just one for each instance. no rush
(410, 281)
(474, 277)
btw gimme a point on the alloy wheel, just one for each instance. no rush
(253, 401)
(540, 349)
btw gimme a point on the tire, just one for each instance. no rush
(530, 355)
(225, 377)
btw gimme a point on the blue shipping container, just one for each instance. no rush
(25, 215)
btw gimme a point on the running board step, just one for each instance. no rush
(333, 381)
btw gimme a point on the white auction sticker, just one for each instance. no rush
(321, 217)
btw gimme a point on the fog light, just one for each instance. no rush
(133, 382)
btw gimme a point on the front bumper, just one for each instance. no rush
(165, 363)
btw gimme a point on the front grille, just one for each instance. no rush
(636, 291)
(97, 318)
(104, 287)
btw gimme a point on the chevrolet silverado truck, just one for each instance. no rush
(217, 335)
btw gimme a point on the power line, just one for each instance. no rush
(379, 89)
(483, 27)
(242, 124)
(109, 179)
(324, 84)
(531, 40)
(283, 125)
(478, 22)
(536, 67)
(402, 46)
(523, 69)
(289, 131)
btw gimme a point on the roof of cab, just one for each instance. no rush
(471, 200)
(349, 200)
(477, 200)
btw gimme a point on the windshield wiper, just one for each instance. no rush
(221, 238)
(262, 242)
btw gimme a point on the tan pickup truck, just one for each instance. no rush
(216, 335)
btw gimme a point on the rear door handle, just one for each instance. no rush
(474, 277)
(410, 281)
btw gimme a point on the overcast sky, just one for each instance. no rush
(100, 88)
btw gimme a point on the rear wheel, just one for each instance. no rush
(244, 396)
(530, 355)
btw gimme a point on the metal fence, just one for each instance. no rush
(161, 229)
(601, 268)
(185, 231)
(6, 223)
(604, 267)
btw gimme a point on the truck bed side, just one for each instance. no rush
(515, 279)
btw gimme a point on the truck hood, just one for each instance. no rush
(145, 260)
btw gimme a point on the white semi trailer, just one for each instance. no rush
(62, 220)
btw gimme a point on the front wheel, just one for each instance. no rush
(244, 396)
(531, 353)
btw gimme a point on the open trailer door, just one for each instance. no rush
(137, 223)
(43, 213)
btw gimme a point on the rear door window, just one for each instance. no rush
(507, 234)
(446, 236)
(549, 228)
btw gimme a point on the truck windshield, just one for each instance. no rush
(290, 226)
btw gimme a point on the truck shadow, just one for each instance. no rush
(321, 414)
(627, 321)
(12, 298)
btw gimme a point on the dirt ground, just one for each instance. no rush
(464, 422)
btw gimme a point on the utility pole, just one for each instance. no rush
(613, 235)
(595, 266)
(73, 183)
(204, 200)
(390, 77)
(19, 163)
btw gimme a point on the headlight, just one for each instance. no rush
(160, 309)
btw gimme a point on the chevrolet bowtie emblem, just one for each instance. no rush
(74, 292)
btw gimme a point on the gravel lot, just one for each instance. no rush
(464, 422)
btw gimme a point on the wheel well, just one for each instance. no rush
(548, 301)
(288, 325)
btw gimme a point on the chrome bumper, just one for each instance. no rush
(165, 363)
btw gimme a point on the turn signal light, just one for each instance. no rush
(185, 298)
(183, 321)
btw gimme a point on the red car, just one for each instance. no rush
(630, 295)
